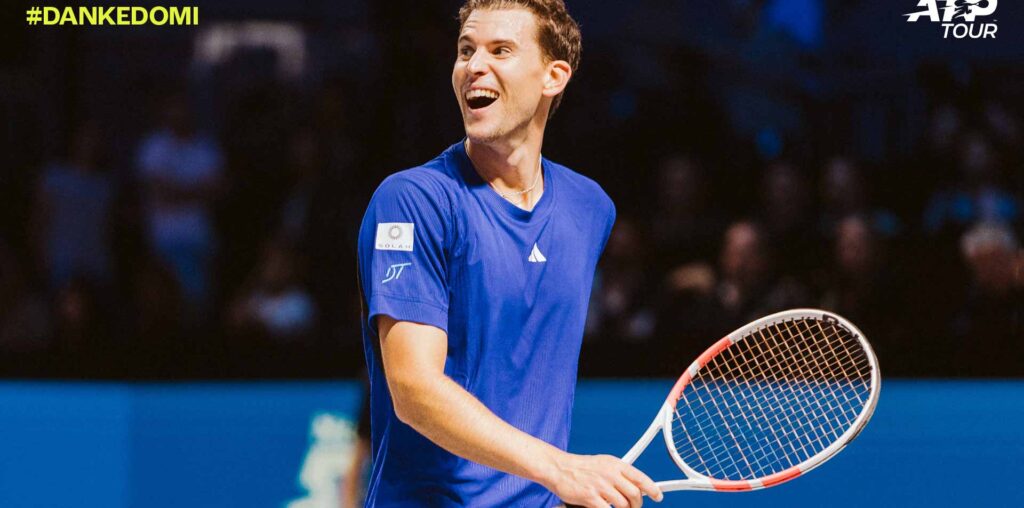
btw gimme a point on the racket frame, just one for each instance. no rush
(697, 481)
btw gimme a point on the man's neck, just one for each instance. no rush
(506, 164)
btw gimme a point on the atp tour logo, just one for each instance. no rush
(959, 17)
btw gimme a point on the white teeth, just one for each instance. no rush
(474, 94)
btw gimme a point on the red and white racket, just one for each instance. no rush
(767, 403)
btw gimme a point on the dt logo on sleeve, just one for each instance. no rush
(394, 272)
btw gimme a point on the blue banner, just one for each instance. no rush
(930, 443)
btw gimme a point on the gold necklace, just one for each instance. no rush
(509, 195)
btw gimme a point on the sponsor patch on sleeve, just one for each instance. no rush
(395, 236)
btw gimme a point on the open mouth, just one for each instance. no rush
(479, 99)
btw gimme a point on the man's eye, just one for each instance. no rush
(503, 50)
(466, 52)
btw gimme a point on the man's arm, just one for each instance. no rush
(425, 398)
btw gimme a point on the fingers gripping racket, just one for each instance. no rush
(767, 403)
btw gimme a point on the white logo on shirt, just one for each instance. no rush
(395, 236)
(536, 256)
(394, 272)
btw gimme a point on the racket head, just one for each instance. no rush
(771, 401)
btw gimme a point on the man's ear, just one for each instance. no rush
(558, 74)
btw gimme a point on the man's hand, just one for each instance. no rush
(597, 481)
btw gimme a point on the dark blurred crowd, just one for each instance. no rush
(205, 227)
(938, 292)
(204, 259)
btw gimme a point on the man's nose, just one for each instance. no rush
(477, 63)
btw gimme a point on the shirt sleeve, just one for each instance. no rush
(403, 254)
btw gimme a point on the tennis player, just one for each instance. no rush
(476, 270)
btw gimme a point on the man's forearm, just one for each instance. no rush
(414, 355)
(454, 419)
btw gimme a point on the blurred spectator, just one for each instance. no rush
(845, 192)
(274, 305)
(181, 171)
(944, 127)
(620, 308)
(1007, 131)
(687, 316)
(699, 306)
(305, 163)
(989, 325)
(685, 224)
(255, 135)
(979, 195)
(80, 327)
(315, 220)
(928, 167)
(863, 289)
(766, 71)
(748, 287)
(73, 211)
(332, 122)
(158, 311)
(24, 317)
(1018, 270)
(788, 219)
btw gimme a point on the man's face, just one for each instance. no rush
(499, 73)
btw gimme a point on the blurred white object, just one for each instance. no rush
(332, 439)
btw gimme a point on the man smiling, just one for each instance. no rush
(476, 270)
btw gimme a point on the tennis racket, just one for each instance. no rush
(767, 403)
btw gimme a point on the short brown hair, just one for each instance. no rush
(557, 32)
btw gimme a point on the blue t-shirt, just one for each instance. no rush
(510, 287)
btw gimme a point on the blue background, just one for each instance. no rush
(930, 443)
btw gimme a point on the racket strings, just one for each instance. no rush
(821, 436)
(784, 418)
(806, 397)
(725, 396)
(803, 396)
(773, 400)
